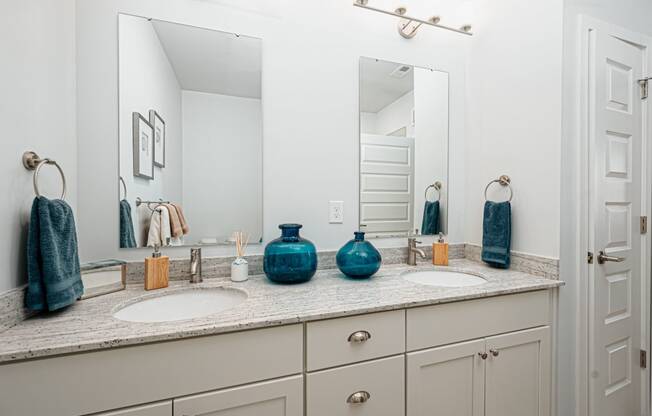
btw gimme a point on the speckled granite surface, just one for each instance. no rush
(535, 265)
(12, 309)
(89, 325)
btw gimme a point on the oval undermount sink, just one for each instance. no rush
(444, 278)
(181, 305)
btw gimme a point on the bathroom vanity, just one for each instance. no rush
(386, 346)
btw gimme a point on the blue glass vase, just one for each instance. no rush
(358, 258)
(290, 258)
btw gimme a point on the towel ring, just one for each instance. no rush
(504, 180)
(32, 161)
(436, 186)
(124, 186)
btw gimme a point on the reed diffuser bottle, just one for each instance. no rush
(240, 266)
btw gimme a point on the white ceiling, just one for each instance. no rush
(211, 61)
(377, 88)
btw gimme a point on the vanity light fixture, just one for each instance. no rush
(408, 26)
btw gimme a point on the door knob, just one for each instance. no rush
(495, 353)
(603, 258)
(483, 355)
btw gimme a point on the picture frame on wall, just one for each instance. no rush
(158, 124)
(143, 138)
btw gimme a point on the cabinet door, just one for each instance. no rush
(447, 380)
(374, 388)
(518, 374)
(273, 398)
(153, 409)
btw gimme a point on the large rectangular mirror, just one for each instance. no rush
(190, 134)
(403, 149)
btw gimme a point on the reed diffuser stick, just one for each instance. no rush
(241, 242)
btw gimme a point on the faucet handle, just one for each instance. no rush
(412, 241)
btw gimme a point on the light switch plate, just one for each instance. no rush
(336, 212)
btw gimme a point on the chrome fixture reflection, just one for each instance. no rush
(195, 266)
(408, 26)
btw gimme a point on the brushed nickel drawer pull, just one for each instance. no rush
(494, 352)
(483, 355)
(359, 397)
(359, 337)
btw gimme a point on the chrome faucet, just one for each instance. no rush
(413, 251)
(195, 266)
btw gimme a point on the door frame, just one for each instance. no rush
(587, 26)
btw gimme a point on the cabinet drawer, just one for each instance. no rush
(381, 382)
(431, 326)
(358, 338)
(272, 398)
(153, 409)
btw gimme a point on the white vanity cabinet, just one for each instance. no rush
(481, 357)
(505, 375)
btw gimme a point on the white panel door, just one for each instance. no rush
(615, 194)
(518, 378)
(446, 381)
(386, 184)
(273, 398)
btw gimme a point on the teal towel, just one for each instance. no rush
(54, 280)
(430, 223)
(497, 234)
(127, 235)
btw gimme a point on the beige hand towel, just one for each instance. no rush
(159, 228)
(175, 222)
(154, 234)
(166, 230)
(182, 219)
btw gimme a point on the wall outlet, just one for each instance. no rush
(336, 212)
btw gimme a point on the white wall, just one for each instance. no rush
(514, 99)
(633, 15)
(37, 112)
(368, 123)
(396, 115)
(148, 81)
(222, 165)
(310, 107)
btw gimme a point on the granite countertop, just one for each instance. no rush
(89, 325)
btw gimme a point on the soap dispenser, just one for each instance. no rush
(440, 252)
(157, 270)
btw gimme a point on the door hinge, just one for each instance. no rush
(643, 359)
(589, 257)
(644, 83)
(643, 225)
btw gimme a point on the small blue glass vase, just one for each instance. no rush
(358, 258)
(290, 258)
